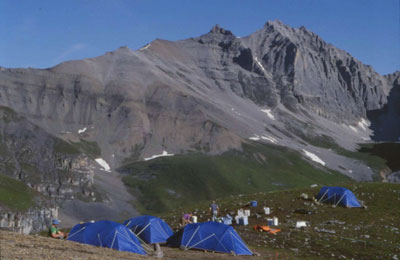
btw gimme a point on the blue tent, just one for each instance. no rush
(150, 229)
(338, 196)
(212, 236)
(107, 234)
(76, 233)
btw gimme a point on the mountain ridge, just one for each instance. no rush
(212, 94)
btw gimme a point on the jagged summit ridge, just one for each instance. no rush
(217, 29)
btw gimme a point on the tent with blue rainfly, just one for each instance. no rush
(211, 236)
(150, 229)
(107, 234)
(338, 196)
(76, 232)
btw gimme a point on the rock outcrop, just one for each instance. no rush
(33, 220)
(386, 121)
(45, 163)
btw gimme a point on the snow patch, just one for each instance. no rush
(313, 157)
(269, 113)
(269, 138)
(353, 128)
(364, 124)
(145, 47)
(103, 164)
(81, 131)
(264, 137)
(255, 138)
(165, 153)
(260, 65)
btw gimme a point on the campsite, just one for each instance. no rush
(331, 233)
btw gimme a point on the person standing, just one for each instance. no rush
(214, 211)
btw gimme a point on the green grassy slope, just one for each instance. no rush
(371, 233)
(164, 183)
(15, 195)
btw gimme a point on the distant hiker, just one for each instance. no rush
(214, 211)
(187, 219)
(54, 232)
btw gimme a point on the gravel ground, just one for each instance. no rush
(18, 246)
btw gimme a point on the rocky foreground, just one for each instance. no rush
(18, 246)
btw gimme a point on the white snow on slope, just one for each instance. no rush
(165, 153)
(103, 164)
(145, 47)
(313, 157)
(269, 138)
(269, 113)
(264, 137)
(80, 131)
(255, 138)
(364, 124)
(353, 128)
(260, 65)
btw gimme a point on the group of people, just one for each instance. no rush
(214, 209)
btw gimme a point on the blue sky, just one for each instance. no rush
(44, 33)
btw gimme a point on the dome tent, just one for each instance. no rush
(77, 233)
(211, 236)
(107, 234)
(338, 196)
(150, 229)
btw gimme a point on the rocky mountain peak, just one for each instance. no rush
(123, 50)
(274, 23)
(217, 35)
(394, 78)
(216, 29)
(276, 26)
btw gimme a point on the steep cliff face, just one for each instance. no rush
(312, 73)
(386, 121)
(47, 164)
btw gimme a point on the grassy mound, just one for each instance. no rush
(14, 194)
(167, 182)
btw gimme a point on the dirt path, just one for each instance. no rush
(32, 247)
